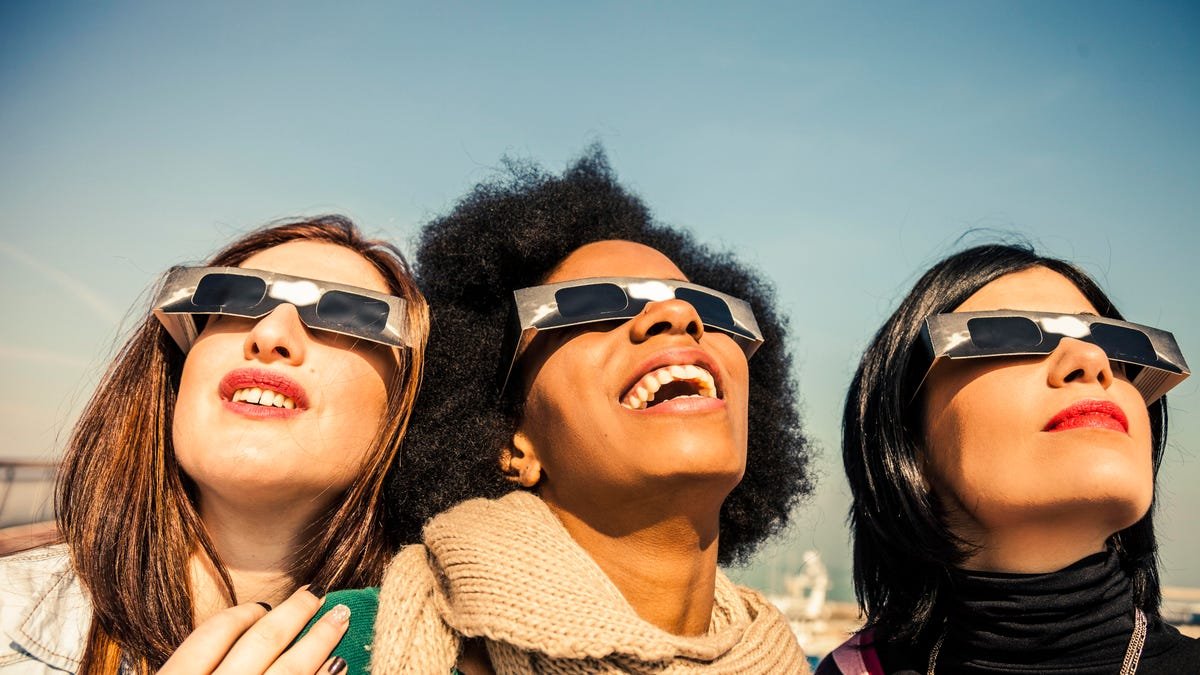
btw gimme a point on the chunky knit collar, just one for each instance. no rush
(507, 571)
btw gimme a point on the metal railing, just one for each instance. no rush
(26, 491)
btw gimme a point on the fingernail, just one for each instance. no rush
(339, 614)
(317, 591)
(264, 605)
(336, 665)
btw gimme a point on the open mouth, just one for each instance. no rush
(669, 383)
(263, 397)
(257, 391)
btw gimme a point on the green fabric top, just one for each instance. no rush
(355, 645)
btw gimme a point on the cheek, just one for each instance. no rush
(739, 375)
(197, 394)
(551, 422)
(355, 391)
(972, 436)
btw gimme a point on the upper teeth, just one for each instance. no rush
(641, 393)
(262, 396)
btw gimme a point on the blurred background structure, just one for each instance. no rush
(841, 147)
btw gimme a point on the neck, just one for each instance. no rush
(256, 544)
(1036, 548)
(664, 565)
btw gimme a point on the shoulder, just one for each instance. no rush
(44, 613)
(33, 560)
(1169, 651)
(855, 656)
(766, 626)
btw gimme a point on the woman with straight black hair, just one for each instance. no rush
(1001, 438)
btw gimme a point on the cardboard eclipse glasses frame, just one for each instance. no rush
(586, 301)
(1157, 363)
(188, 292)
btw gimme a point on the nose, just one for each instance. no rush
(1075, 361)
(277, 336)
(670, 317)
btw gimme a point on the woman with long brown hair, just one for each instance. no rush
(234, 452)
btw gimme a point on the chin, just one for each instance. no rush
(713, 471)
(702, 452)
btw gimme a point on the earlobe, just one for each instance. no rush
(519, 462)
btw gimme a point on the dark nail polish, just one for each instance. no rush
(317, 591)
(264, 605)
(338, 665)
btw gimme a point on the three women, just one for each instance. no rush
(628, 421)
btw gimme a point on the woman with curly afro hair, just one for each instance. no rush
(607, 414)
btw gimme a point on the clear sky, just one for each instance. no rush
(841, 147)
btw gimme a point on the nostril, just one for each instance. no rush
(658, 328)
(1074, 375)
(282, 351)
(693, 329)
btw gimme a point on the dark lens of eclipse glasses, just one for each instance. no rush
(349, 309)
(589, 301)
(1120, 342)
(220, 290)
(1004, 332)
(712, 310)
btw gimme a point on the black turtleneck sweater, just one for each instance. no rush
(1078, 620)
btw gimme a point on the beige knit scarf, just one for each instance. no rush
(507, 571)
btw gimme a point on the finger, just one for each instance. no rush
(263, 642)
(203, 650)
(310, 652)
(333, 666)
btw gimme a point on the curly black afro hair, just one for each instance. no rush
(509, 233)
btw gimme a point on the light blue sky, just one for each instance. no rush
(840, 147)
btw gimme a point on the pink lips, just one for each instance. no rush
(1092, 414)
(682, 406)
(245, 378)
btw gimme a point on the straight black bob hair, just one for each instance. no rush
(903, 551)
(510, 233)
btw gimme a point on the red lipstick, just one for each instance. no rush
(1091, 414)
(246, 378)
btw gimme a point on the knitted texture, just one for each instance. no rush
(507, 571)
(355, 645)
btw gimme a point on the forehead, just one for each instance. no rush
(319, 260)
(1036, 289)
(615, 258)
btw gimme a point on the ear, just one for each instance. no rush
(519, 461)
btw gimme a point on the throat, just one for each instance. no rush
(666, 571)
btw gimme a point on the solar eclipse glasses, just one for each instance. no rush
(252, 294)
(587, 301)
(1152, 358)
